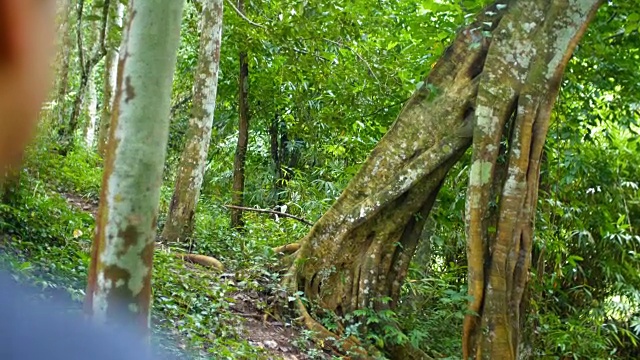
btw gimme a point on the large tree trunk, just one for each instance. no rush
(534, 41)
(505, 67)
(237, 196)
(119, 285)
(116, 16)
(190, 173)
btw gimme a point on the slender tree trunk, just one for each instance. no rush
(86, 62)
(110, 72)
(119, 285)
(92, 114)
(64, 59)
(505, 67)
(190, 173)
(70, 131)
(276, 157)
(237, 197)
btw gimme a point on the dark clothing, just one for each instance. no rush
(31, 329)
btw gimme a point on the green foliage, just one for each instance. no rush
(193, 306)
(79, 172)
(433, 306)
(335, 74)
(45, 242)
(41, 215)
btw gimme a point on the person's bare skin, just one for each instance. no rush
(27, 41)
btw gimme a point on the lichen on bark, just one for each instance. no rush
(191, 169)
(358, 253)
(119, 284)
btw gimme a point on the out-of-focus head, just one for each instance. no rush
(27, 43)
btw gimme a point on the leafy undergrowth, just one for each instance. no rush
(45, 237)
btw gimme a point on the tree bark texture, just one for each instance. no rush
(237, 196)
(501, 72)
(92, 114)
(116, 16)
(119, 284)
(190, 172)
(519, 85)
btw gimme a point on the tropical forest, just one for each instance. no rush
(323, 179)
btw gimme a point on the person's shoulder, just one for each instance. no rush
(34, 329)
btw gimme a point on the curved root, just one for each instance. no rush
(287, 249)
(324, 337)
(407, 352)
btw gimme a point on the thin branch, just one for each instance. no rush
(243, 15)
(265, 211)
(356, 54)
(305, 52)
(618, 34)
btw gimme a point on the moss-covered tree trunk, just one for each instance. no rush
(520, 82)
(190, 173)
(497, 81)
(119, 285)
(237, 196)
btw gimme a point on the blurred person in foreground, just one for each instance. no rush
(31, 329)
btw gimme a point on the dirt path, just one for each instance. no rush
(275, 337)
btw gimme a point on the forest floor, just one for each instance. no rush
(257, 328)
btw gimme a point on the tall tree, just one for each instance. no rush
(276, 144)
(190, 173)
(237, 196)
(116, 15)
(87, 61)
(119, 285)
(92, 113)
(64, 57)
(494, 88)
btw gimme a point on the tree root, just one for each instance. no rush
(326, 338)
(206, 261)
(407, 352)
(287, 249)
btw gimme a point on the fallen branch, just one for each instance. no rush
(273, 212)
(206, 261)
